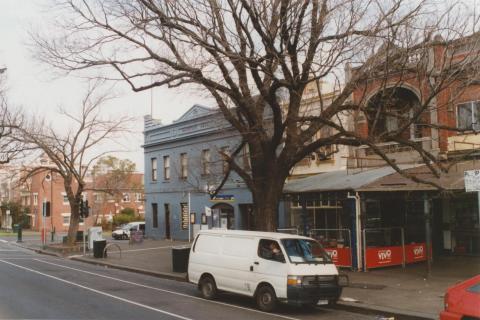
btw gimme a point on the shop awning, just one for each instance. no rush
(337, 180)
(453, 180)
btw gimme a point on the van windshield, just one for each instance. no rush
(305, 251)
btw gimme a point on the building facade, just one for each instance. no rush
(183, 165)
(372, 216)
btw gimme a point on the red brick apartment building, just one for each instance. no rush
(48, 186)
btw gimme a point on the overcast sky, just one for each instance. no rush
(40, 91)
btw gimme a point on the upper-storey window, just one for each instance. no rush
(225, 153)
(247, 165)
(206, 161)
(183, 166)
(166, 167)
(154, 168)
(468, 116)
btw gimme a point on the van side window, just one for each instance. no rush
(270, 250)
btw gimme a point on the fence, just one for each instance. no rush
(386, 247)
(338, 244)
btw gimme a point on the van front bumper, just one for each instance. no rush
(312, 293)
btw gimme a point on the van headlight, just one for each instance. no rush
(294, 280)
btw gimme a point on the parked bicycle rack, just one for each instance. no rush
(109, 245)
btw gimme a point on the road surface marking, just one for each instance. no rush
(4, 241)
(167, 291)
(99, 292)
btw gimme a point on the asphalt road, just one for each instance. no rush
(36, 286)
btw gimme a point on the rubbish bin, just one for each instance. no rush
(180, 258)
(98, 248)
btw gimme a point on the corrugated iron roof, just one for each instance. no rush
(384, 179)
(336, 180)
(452, 180)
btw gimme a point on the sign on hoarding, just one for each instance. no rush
(472, 180)
(341, 257)
(384, 256)
(184, 215)
(415, 252)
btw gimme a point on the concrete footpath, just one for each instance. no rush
(394, 290)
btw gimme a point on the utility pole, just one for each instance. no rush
(189, 218)
(428, 232)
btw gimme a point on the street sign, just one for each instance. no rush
(472, 180)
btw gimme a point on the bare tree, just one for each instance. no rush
(74, 152)
(256, 58)
(10, 119)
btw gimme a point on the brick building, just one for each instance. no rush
(49, 186)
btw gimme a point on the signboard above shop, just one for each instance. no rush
(223, 198)
(472, 180)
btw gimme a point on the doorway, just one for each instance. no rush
(223, 216)
(246, 212)
(167, 220)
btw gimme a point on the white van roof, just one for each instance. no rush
(261, 234)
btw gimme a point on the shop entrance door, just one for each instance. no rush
(223, 216)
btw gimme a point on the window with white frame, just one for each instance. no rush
(247, 165)
(65, 198)
(35, 199)
(183, 166)
(66, 219)
(468, 116)
(154, 168)
(225, 153)
(166, 167)
(138, 197)
(97, 197)
(206, 162)
(125, 197)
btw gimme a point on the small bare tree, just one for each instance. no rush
(74, 152)
(256, 58)
(10, 119)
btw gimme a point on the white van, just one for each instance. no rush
(124, 231)
(268, 266)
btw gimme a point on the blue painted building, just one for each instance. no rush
(183, 163)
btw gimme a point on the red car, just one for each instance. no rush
(462, 301)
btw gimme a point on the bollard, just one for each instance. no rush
(19, 233)
(53, 235)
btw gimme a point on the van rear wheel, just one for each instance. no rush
(266, 298)
(208, 288)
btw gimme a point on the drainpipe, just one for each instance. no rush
(358, 229)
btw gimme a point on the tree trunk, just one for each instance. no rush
(266, 198)
(74, 222)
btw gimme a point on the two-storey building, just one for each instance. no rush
(183, 165)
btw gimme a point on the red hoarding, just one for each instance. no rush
(415, 252)
(384, 256)
(340, 256)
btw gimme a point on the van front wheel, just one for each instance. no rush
(208, 288)
(266, 298)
